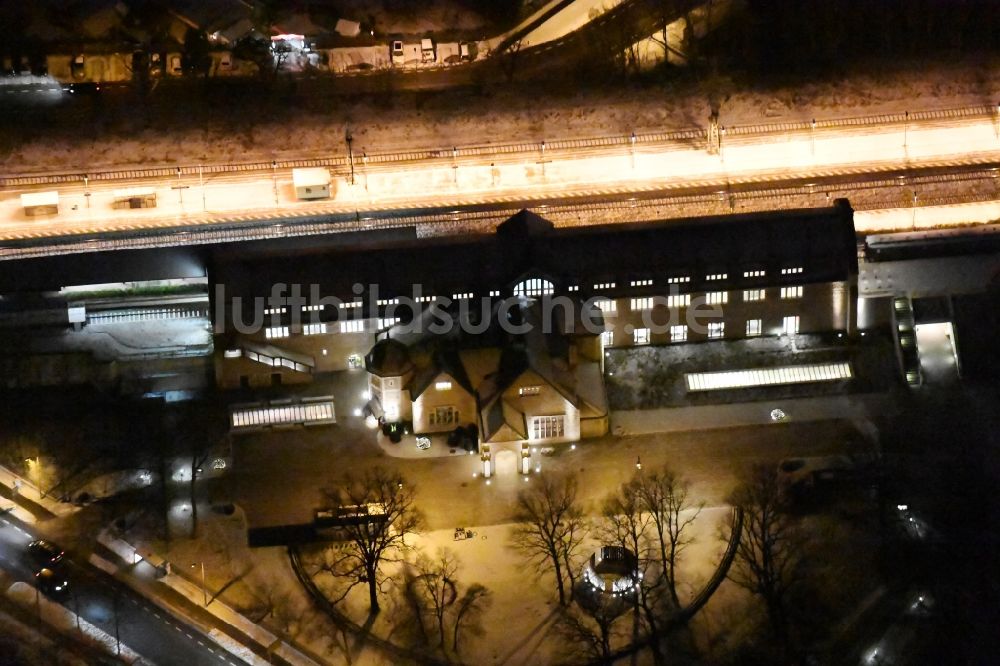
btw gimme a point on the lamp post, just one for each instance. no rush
(204, 588)
(35, 469)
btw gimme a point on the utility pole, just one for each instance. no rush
(906, 131)
(274, 180)
(543, 161)
(201, 183)
(204, 588)
(631, 141)
(714, 139)
(118, 639)
(349, 138)
(813, 137)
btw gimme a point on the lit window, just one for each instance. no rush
(271, 311)
(679, 333)
(640, 336)
(679, 300)
(641, 304)
(529, 390)
(443, 416)
(312, 308)
(753, 327)
(574, 287)
(233, 353)
(494, 292)
(388, 301)
(544, 427)
(426, 299)
(533, 287)
(386, 322)
(276, 332)
(352, 304)
(754, 274)
(750, 295)
(791, 271)
(716, 329)
(314, 329)
(607, 338)
(717, 297)
(640, 283)
(464, 296)
(717, 276)
(790, 325)
(442, 386)
(678, 279)
(604, 285)
(352, 326)
(606, 305)
(791, 292)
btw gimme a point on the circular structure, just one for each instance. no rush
(612, 570)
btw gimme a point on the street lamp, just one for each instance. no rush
(638, 464)
(204, 588)
(35, 466)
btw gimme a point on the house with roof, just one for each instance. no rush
(512, 387)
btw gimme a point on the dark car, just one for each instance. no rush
(52, 581)
(44, 552)
(85, 88)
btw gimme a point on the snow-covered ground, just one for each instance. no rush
(449, 120)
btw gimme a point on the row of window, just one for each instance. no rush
(540, 287)
(684, 300)
(716, 330)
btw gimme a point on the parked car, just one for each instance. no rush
(427, 50)
(398, 56)
(45, 553)
(52, 581)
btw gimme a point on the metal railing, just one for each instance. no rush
(492, 151)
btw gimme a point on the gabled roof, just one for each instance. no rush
(444, 363)
(388, 358)
(499, 418)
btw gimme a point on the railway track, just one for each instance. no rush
(903, 188)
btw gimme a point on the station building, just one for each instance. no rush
(791, 272)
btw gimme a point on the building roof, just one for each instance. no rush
(388, 358)
(822, 240)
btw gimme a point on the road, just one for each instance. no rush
(142, 626)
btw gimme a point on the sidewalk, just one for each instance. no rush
(141, 570)
(856, 409)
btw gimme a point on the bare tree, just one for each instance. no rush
(627, 523)
(769, 554)
(665, 496)
(509, 57)
(383, 504)
(589, 627)
(550, 528)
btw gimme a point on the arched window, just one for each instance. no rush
(533, 287)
